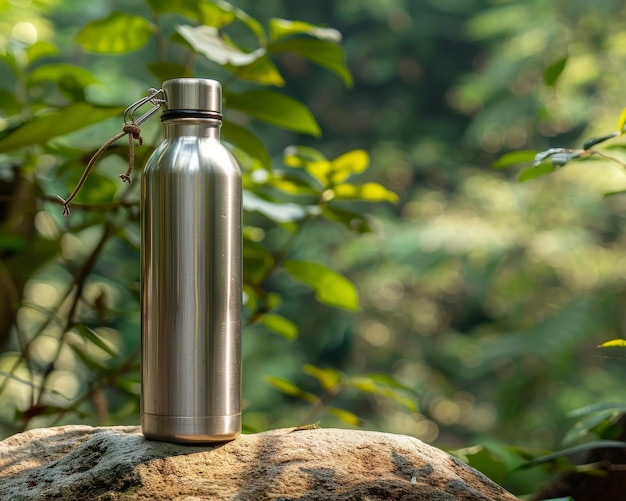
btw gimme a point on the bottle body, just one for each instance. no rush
(191, 266)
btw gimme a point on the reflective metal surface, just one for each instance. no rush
(191, 287)
(193, 94)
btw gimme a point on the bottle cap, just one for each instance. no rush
(192, 97)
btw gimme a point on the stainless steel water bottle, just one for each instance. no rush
(191, 269)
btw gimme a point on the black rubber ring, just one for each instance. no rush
(171, 114)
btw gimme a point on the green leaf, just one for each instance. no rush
(582, 428)
(300, 156)
(330, 287)
(117, 33)
(596, 444)
(329, 55)
(368, 192)
(218, 13)
(246, 141)
(553, 72)
(9, 58)
(346, 416)
(328, 378)
(61, 71)
(42, 128)
(280, 325)
(292, 184)
(590, 143)
(590, 409)
(612, 344)
(514, 158)
(367, 384)
(187, 8)
(390, 381)
(262, 71)
(11, 105)
(258, 261)
(276, 109)
(350, 219)
(281, 28)
(487, 461)
(613, 193)
(208, 41)
(39, 50)
(279, 212)
(93, 337)
(166, 70)
(288, 388)
(535, 172)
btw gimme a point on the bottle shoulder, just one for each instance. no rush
(191, 153)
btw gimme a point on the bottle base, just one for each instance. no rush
(191, 430)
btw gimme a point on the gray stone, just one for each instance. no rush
(117, 463)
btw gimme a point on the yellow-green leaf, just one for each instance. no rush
(94, 337)
(44, 127)
(346, 416)
(246, 141)
(320, 171)
(328, 378)
(262, 71)
(288, 388)
(369, 192)
(327, 54)
(330, 287)
(280, 325)
(352, 162)
(115, 34)
(621, 343)
(40, 49)
(300, 156)
(275, 108)
(61, 71)
(621, 122)
(280, 28)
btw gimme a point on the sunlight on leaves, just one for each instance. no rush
(117, 33)
(288, 388)
(612, 344)
(346, 416)
(328, 378)
(330, 287)
(280, 325)
(207, 41)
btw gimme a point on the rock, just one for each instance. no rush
(117, 463)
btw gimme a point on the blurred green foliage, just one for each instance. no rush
(465, 314)
(69, 288)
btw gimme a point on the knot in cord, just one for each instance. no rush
(134, 134)
(133, 130)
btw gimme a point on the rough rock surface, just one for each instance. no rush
(117, 463)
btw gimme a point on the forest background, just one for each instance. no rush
(396, 280)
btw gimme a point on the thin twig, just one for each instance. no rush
(598, 153)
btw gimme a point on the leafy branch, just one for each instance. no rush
(552, 159)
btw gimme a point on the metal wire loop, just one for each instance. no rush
(129, 113)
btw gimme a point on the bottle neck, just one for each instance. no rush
(197, 127)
